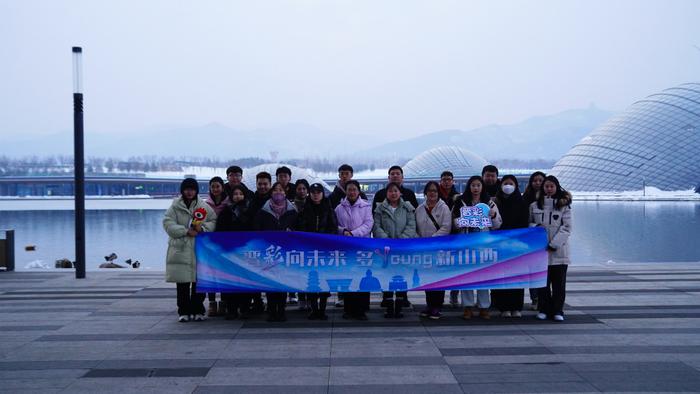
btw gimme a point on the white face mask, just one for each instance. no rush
(508, 189)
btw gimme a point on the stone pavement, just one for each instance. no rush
(629, 328)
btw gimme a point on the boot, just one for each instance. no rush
(312, 300)
(389, 302)
(398, 305)
(322, 308)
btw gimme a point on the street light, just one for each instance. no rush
(79, 163)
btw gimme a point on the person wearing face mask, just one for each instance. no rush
(235, 218)
(552, 210)
(512, 209)
(278, 214)
(318, 217)
(394, 218)
(534, 184)
(433, 219)
(180, 263)
(475, 193)
(354, 220)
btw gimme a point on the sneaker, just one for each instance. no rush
(484, 314)
(199, 317)
(541, 316)
(517, 314)
(506, 314)
(424, 313)
(183, 319)
(467, 314)
(435, 315)
(339, 304)
(213, 309)
(558, 318)
(293, 300)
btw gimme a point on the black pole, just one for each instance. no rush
(79, 190)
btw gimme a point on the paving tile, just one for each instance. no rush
(280, 376)
(521, 387)
(396, 389)
(544, 375)
(261, 389)
(389, 374)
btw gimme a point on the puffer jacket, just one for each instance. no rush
(265, 219)
(218, 208)
(456, 214)
(556, 217)
(318, 218)
(401, 223)
(442, 215)
(356, 218)
(180, 263)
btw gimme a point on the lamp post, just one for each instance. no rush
(79, 163)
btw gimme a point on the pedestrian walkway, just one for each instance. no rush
(631, 328)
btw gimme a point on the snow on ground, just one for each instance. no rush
(649, 193)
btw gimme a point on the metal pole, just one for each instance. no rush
(79, 164)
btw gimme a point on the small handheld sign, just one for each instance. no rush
(475, 217)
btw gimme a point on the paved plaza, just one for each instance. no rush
(629, 328)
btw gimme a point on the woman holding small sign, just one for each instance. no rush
(433, 219)
(394, 218)
(552, 210)
(475, 212)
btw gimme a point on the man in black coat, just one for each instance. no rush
(345, 173)
(490, 176)
(396, 176)
(447, 191)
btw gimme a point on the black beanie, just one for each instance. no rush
(189, 183)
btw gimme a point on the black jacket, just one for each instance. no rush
(408, 195)
(318, 218)
(339, 194)
(514, 212)
(257, 202)
(234, 217)
(265, 220)
(451, 197)
(246, 192)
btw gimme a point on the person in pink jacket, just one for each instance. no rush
(354, 220)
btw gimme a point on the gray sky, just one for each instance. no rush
(402, 68)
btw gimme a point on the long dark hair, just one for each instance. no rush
(431, 183)
(219, 180)
(467, 194)
(501, 196)
(530, 193)
(561, 197)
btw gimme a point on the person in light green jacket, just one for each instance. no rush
(186, 217)
(394, 218)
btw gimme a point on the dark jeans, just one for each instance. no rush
(551, 298)
(394, 305)
(318, 301)
(355, 304)
(189, 302)
(435, 299)
(236, 302)
(508, 299)
(276, 303)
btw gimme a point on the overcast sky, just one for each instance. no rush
(401, 68)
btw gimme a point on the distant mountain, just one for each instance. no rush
(541, 137)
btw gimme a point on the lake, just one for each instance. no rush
(602, 232)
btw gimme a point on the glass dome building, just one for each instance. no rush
(431, 163)
(655, 142)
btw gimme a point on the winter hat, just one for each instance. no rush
(316, 187)
(189, 183)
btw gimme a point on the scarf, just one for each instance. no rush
(278, 209)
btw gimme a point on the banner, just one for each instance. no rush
(308, 262)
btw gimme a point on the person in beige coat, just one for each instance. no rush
(180, 266)
(552, 210)
(394, 218)
(433, 219)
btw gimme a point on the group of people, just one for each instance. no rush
(393, 213)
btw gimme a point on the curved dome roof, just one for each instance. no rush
(655, 142)
(433, 162)
(297, 173)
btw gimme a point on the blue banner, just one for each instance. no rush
(309, 262)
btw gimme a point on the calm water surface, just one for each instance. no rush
(603, 231)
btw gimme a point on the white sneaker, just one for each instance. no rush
(199, 317)
(517, 314)
(183, 319)
(505, 314)
(541, 316)
(558, 318)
